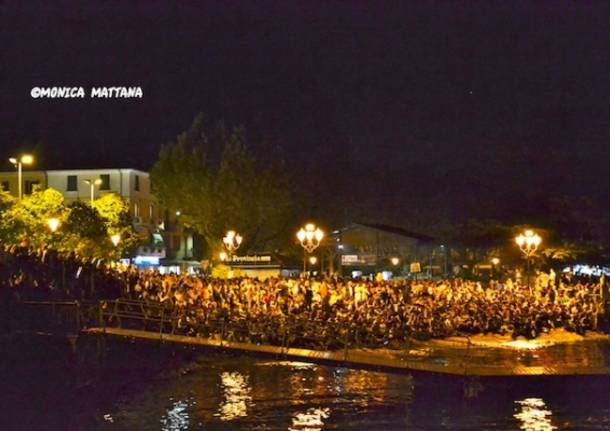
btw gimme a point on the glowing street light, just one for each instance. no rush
(528, 243)
(495, 261)
(53, 224)
(24, 159)
(116, 238)
(395, 261)
(310, 238)
(313, 260)
(232, 241)
(93, 183)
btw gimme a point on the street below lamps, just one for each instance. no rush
(528, 243)
(25, 159)
(93, 183)
(310, 238)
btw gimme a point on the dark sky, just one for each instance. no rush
(461, 101)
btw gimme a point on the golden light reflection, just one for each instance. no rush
(237, 396)
(534, 415)
(311, 420)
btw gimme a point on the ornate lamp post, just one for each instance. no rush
(93, 183)
(528, 243)
(25, 159)
(310, 238)
(232, 240)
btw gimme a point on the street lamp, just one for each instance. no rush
(53, 224)
(313, 260)
(116, 238)
(232, 241)
(25, 159)
(310, 238)
(528, 243)
(494, 265)
(93, 183)
(395, 261)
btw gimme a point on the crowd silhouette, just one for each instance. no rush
(313, 312)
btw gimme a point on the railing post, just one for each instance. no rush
(284, 339)
(222, 332)
(78, 320)
(345, 344)
(161, 322)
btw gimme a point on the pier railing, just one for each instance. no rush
(169, 319)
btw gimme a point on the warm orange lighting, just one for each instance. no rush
(528, 242)
(313, 260)
(53, 224)
(310, 237)
(232, 240)
(116, 238)
(395, 261)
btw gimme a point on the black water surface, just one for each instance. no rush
(135, 386)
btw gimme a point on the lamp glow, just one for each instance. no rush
(53, 224)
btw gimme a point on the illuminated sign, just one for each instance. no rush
(251, 259)
(355, 259)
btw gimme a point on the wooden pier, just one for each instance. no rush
(452, 360)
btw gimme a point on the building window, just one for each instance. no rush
(137, 183)
(151, 213)
(136, 209)
(105, 182)
(71, 185)
(5, 186)
(30, 186)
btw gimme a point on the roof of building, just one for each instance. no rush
(394, 230)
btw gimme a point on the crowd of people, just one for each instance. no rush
(323, 313)
(28, 274)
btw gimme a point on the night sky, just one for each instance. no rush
(406, 110)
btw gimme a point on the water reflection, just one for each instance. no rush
(312, 420)
(236, 396)
(534, 415)
(176, 418)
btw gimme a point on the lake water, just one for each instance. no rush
(144, 387)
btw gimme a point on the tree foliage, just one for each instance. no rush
(83, 228)
(220, 190)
